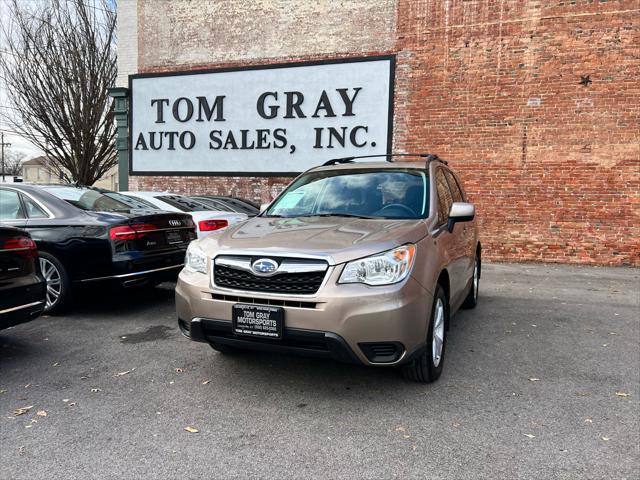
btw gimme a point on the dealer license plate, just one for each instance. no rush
(257, 321)
(173, 236)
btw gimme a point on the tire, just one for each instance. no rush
(428, 366)
(224, 349)
(58, 284)
(472, 297)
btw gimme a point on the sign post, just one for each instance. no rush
(121, 115)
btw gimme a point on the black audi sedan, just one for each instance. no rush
(22, 288)
(85, 237)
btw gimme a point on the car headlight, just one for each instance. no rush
(380, 269)
(195, 259)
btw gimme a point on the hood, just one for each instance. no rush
(340, 239)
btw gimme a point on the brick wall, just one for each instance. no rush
(535, 103)
(127, 40)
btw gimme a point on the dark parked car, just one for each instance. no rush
(86, 237)
(22, 288)
(229, 204)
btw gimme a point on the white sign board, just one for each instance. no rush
(278, 119)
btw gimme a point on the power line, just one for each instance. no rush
(20, 134)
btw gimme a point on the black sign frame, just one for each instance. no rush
(392, 68)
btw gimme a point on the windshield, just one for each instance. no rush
(87, 199)
(387, 193)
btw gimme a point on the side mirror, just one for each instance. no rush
(264, 206)
(460, 212)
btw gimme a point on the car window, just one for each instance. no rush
(183, 203)
(233, 206)
(87, 198)
(140, 200)
(386, 193)
(33, 209)
(215, 204)
(444, 197)
(10, 206)
(240, 204)
(133, 202)
(455, 188)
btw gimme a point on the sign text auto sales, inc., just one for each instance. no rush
(270, 105)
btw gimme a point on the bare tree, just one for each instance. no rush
(59, 60)
(13, 162)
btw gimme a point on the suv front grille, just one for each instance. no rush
(288, 283)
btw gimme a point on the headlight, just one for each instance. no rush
(195, 259)
(381, 269)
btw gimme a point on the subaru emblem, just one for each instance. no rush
(264, 266)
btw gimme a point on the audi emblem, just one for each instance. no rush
(175, 223)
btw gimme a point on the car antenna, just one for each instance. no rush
(429, 156)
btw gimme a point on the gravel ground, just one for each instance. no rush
(542, 380)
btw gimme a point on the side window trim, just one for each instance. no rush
(448, 176)
(21, 207)
(442, 172)
(42, 207)
(457, 180)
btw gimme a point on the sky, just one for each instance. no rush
(18, 144)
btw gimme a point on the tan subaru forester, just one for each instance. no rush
(359, 262)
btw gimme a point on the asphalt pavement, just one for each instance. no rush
(541, 380)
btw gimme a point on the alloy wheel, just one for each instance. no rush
(438, 333)
(54, 282)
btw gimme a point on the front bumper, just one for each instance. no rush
(347, 322)
(302, 342)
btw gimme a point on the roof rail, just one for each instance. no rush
(429, 156)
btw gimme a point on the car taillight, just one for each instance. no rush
(210, 225)
(131, 232)
(24, 246)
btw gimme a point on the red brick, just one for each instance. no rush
(494, 87)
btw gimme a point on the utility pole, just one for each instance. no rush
(2, 145)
